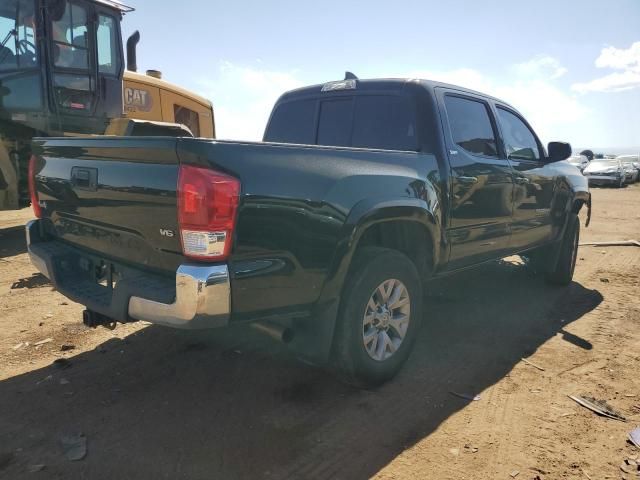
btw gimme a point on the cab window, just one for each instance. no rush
(471, 126)
(187, 117)
(17, 34)
(519, 141)
(107, 45)
(70, 35)
(293, 122)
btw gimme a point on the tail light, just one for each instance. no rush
(207, 205)
(33, 192)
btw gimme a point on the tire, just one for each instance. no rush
(366, 317)
(562, 273)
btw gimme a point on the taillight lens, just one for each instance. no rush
(33, 192)
(207, 205)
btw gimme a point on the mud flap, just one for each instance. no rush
(313, 337)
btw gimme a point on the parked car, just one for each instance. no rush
(605, 171)
(580, 161)
(631, 164)
(323, 235)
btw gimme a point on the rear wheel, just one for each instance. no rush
(562, 273)
(379, 318)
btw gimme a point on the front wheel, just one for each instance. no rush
(562, 273)
(379, 317)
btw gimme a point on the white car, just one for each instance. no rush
(631, 165)
(580, 161)
(605, 171)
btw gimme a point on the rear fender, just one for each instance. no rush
(314, 338)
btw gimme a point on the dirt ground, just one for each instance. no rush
(155, 403)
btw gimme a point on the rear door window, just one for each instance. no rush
(293, 122)
(384, 121)
(334, 127)
(471, 126)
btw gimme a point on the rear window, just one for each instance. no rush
(335, 123)
(385, 122)
(293, 122)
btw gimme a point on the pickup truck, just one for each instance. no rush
(325, 235)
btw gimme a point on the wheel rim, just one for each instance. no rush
(386, 319)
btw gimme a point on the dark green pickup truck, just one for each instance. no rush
(324, 234)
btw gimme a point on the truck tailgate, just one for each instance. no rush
(114, 196)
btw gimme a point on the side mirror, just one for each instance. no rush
(558, 151)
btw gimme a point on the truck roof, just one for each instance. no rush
(382, 84)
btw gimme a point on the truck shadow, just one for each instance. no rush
(231, 404)
(12, 241)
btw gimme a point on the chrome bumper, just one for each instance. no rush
(202, 299)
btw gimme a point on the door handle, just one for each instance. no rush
(468, 180)
(522, 180)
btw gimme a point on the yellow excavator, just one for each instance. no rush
(63, 72)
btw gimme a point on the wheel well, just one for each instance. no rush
(411, 238)
(577, 205)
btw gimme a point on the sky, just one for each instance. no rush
(572, 67)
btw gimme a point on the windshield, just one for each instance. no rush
(17, 38)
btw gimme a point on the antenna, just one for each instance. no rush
(349, 76)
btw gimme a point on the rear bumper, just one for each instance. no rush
(199, 298)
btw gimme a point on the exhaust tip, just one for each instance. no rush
(281, 334)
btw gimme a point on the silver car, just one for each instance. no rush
(580, 161)
(605, 171)
(631, 165)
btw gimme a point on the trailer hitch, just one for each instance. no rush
(94, 319)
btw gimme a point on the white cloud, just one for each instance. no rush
(243, 98)
(620, 58)
(530, 87)
(626, 60)
(541, 66)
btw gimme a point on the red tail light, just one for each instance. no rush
(33, 192)
(207, 205)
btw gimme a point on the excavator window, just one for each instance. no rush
(107, 45)
(71, 45)
(70, 37)
(188, 117)
(17, 35)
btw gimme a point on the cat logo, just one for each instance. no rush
(166, 232)
(137, 99)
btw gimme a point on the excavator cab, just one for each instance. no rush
(61, 64)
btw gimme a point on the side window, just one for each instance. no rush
(470, 126)
(519, 141)
(187, 117)
(293, 122)
(385, 122)
(107, 46)
(71, 39)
